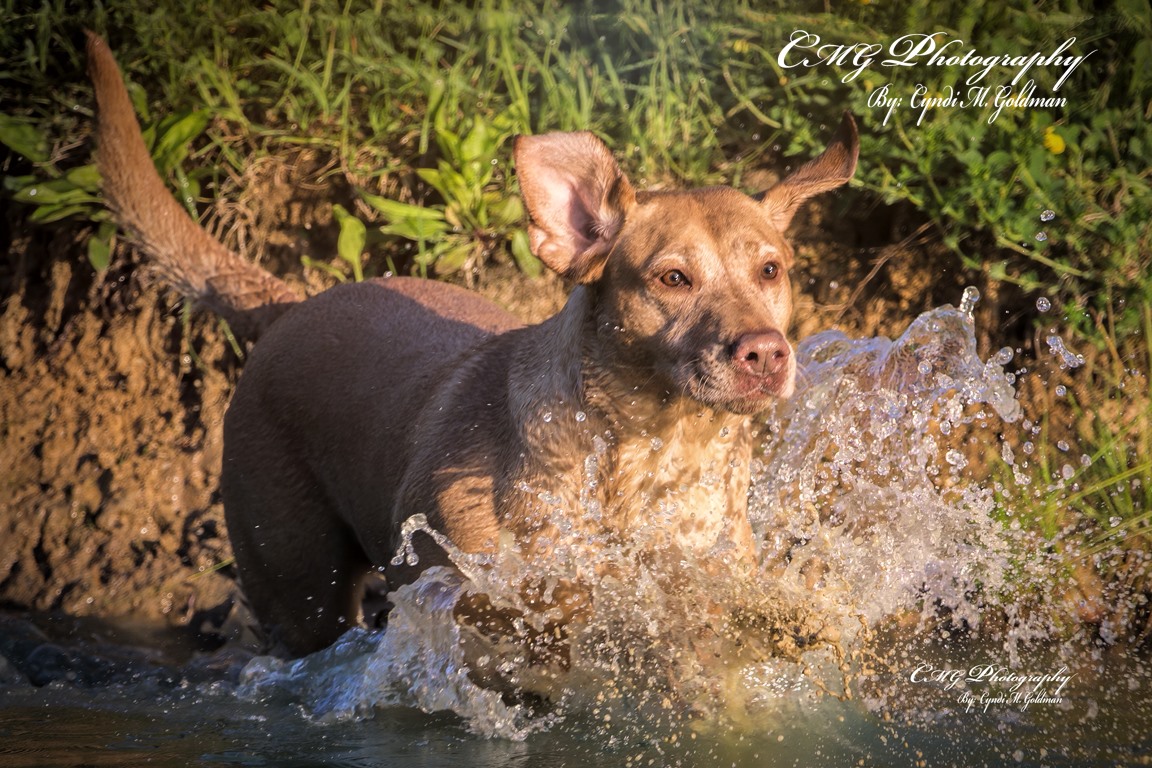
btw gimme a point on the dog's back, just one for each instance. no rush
(319, 428)
(305, 465)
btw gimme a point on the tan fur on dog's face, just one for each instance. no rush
(691, 293)
(675, 301)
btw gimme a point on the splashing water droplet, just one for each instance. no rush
(657, 444)
(1043, 304)
(1041, 236)
(1068, 359)
(969, 299)
(925, 367)
(956, 459)
(581, 416)
(1047, 215)
(1061, 390)
(547, 417)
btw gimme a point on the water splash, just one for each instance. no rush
(865, 513)
(418, 662)
(1066, 358)
(860, 496)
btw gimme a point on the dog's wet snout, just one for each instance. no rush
(763, 353)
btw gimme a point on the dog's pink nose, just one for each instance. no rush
(761, 354)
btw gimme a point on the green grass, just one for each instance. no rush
(416, 105)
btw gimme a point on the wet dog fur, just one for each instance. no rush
(369, 403)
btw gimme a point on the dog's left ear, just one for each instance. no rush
(831, 169)
(577, 197)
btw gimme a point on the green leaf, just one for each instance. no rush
(393, 210)
(100, 246)
(23, 138)
(17, 183)
(139, 101)
(52, 192)
(522, 253)
(173, 136)
(353, 236)
(86, 177)
(476, 145)
(416, 229)
(323, 266)
(46, 214)
(454, 259)
(450, 184)
(449, 144)
(432, 177)
(507, 212)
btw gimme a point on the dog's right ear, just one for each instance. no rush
(577, 197)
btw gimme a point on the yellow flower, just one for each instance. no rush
(740, 46)
(1053, 142)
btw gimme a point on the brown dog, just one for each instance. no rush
(373, 402)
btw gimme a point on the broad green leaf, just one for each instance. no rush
(174, 136)
(393, 210)
(522, 253)
(17, 183)
(416, 229)
(86, 177)
(353, 236)
(449, 144)
(507, 212)
(450, 184)
(99, 254)
(50, 192)
(23, 138)
(46, 214)
(139, 101)
(476, 145)
(431, 177)
(454, 259)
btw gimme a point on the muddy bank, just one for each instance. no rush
(111, 409)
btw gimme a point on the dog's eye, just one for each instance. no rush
(770, 271)
(674, 278)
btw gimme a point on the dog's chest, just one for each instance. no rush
(682, 486)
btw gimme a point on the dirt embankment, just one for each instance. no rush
(110, 436)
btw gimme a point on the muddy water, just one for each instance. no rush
(897, 618)
(1103, 721)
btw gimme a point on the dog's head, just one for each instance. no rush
(691, 287)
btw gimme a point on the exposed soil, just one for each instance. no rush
(110, 439)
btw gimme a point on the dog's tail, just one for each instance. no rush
(186, 257)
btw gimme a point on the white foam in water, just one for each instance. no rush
(864, 513)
